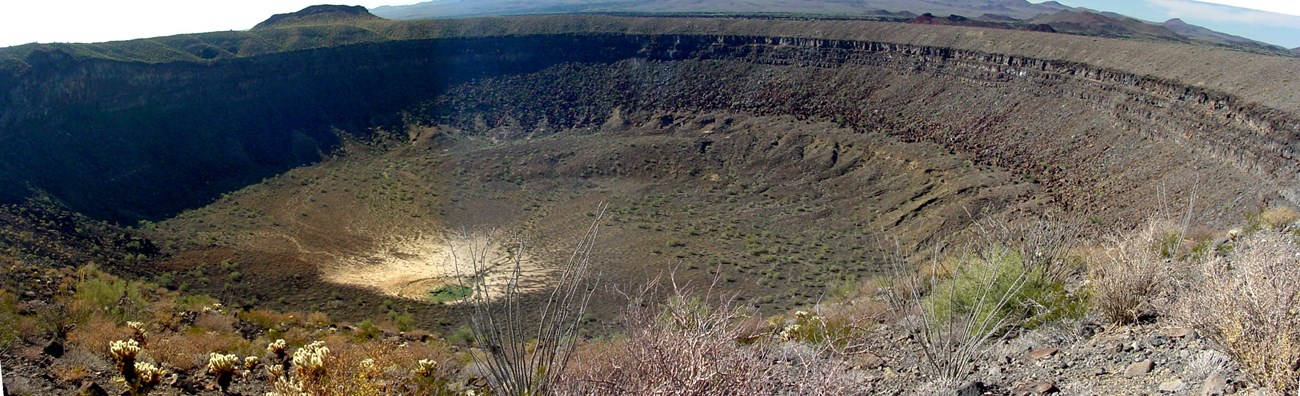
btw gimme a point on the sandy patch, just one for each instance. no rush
(414, 267)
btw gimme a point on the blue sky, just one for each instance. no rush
(1269, 27)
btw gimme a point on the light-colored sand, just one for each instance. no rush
(414, 267)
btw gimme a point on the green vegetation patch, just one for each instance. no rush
(448, 293)
(995, 289)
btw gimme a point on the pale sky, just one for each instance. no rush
(1280, 26)
(45, 21)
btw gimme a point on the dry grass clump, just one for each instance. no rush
(386, 368)
(337, 366)
(190, 350)
(1278, 217)
(96, 333)
(689, 346)
(1126, 273)
(1248, 302)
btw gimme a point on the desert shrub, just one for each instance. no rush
(448, 293)
(96, 333)
(995, 288)
(688, 346)
(98, 293)
(9, 334)
(1270, 219)
(195, 302)
(367, 330)
(190, 350)
(214, 322)
(1126, 273)
(990, 288)
(814, 328)
(265, 318)
(1248, 302)
(339, 366)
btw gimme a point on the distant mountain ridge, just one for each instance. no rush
(1019, 9)
(1199, 33)
(1010, 14)
(1106, 24)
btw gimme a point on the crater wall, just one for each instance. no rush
(127, 140)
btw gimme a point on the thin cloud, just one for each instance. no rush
(1222, 13)
(1281, 7)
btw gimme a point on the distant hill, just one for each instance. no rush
(984, 21)
(318, 14)
(1106, 24)
(1206, 35)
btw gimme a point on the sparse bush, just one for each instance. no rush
(1270, 219)
(8, 315)
(338, 366)
(813, 328)
(1127, 272)
(689, 346)
(1248, 302)
(96, 335)
(190, 350)
(98, 293)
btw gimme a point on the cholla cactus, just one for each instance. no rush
(143, 378)
(426, 367)
(285, 387)
(789, 332)
(138, 377)
(214, 308)
(149, 375)
(310, 359)
(124, 350)
(275, 371)
(124, 353)
(276, 348)
(138, 332)
(223, 367)
(251, 362)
